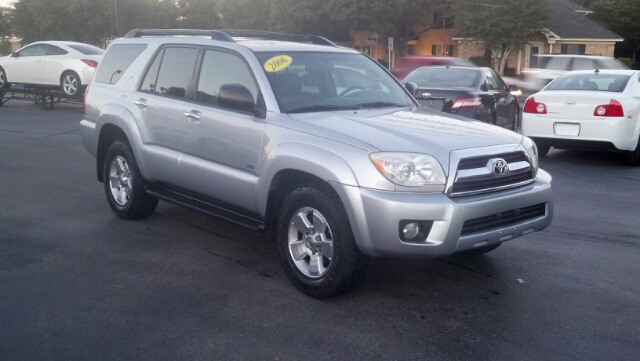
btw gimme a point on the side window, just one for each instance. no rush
(219, 68)
(34, 50)
(583, 64)
(54, 50)
(496, 78)
(116, 61)
(559, 63)
(491, 82)
(176, 68)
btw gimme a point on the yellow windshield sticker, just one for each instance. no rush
(277, 63)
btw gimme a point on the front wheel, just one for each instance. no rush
(4, 84)
(316, 246)
(70, 83)
(543, 149)
(123, 184)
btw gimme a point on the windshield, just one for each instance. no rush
(586, 82)
(316, 81)
(444, 77)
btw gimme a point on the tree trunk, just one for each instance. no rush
(503, 61)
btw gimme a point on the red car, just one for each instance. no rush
(407, 64)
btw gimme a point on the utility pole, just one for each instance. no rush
(119, 18)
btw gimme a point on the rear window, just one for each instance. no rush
(590, 82)
(87, 49)
(444, 77)
(116, 61)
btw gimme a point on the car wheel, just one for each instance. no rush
(633, 157)
(543, 149)
(316, 245)
(70, 83)
(123, 184)
(4, 84)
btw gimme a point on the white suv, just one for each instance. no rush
(544, 68)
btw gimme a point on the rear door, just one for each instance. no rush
(159, 108)
(222, 147)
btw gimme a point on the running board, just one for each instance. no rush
(207, 208)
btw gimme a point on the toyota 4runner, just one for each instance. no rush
(315, 145)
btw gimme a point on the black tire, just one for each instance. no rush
(343, 265)
(514, 127)
(123, 184)
(70, 84)
(633, 157)
(4, 84)
(543, 149)
(479, 251)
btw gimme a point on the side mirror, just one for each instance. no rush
(412, 88)
(237, 97)
(513, 88)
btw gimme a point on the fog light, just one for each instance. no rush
(411, 230)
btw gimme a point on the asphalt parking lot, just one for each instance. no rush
(78, 284)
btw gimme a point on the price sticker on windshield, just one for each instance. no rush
(277, 63)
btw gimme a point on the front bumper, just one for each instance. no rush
(375, 217)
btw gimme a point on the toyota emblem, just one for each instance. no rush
(500, 167)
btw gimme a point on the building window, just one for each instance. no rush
(448, 50)
(436, 49)
(573, 48)
(443, 18)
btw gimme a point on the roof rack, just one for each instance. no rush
(231, 34)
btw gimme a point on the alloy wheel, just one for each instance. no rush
(120, 181)
(70, 84)
(310, 242)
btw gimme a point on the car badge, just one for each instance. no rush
(426, 95)
(500, 167)
(571, 102)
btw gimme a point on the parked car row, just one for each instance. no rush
(64, 65)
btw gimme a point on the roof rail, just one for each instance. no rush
(214, 34)
(230, 34)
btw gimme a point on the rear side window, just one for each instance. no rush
(176, 65)
(116, 61)
(590, 82)
(54, 50)
(87, 49)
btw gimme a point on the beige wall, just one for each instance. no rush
(435, 37)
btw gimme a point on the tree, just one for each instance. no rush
(5, 32)
(503, 25)
(404, 20)
(198, 14)
(245, 14)
(621, 17)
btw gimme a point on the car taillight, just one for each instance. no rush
(84, 101)
(91, 63)
(466, 103)
(613, 109)
(531, 106)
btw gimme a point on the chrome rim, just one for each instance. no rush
(120, 181)
(310, 242)
(70, 84)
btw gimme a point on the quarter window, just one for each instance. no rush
(116, 61)
(54, 50)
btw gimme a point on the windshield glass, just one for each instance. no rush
(586, 82)
(318, 81)
(444, 77)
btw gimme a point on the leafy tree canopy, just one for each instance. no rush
(504, 25)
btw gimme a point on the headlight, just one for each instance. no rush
(409, 170)
(531, 148)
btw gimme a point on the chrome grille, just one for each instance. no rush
(475, 174)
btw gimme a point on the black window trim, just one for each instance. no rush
(151, 61)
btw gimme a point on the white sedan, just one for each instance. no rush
(588, 109)
(62, 64)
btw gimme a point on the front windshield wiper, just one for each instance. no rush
(380, 105)
(318, 108)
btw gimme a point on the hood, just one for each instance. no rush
(414, 131)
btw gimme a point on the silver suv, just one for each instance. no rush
(315, 145)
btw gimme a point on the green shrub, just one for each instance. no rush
(479, 60)
(626, 61)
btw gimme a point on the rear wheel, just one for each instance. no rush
(123, 184)
(633, 157)
(70, 83)
(316, 246)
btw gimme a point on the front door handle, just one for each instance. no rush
(142, 103)
(193, 115)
